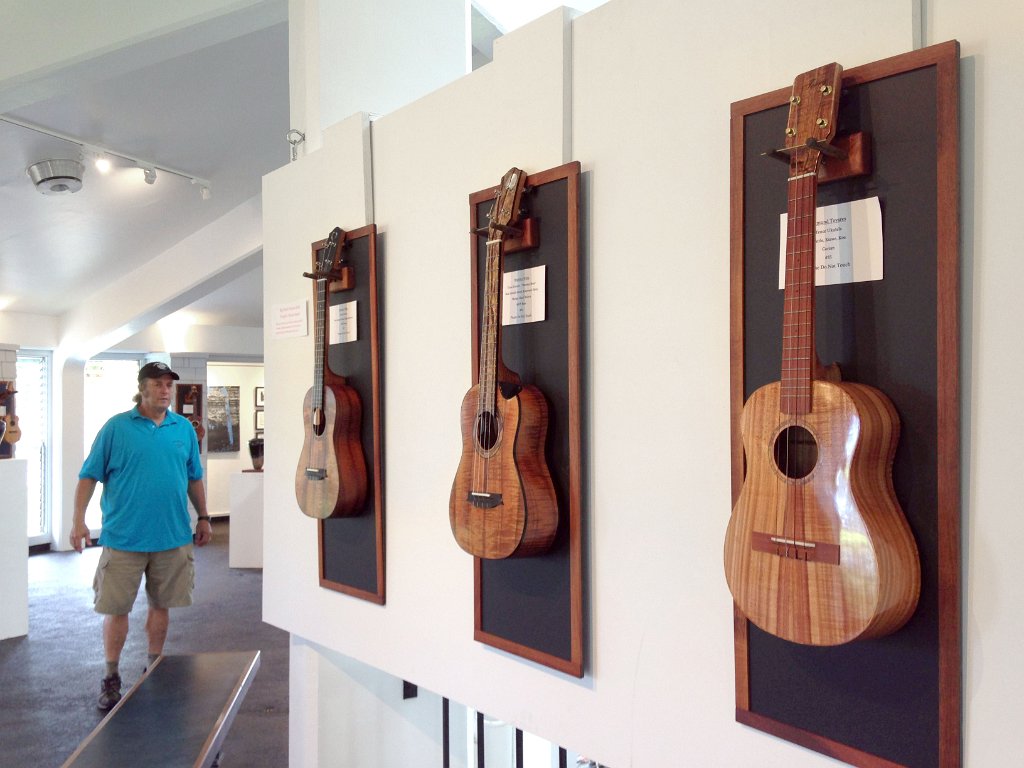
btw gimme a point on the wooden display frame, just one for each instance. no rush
(189, 394)
(533, 606)
(352, 548)
(9, 408)
(889, 721)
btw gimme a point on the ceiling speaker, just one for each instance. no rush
(57, 177)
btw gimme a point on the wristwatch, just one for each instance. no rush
(202, 517)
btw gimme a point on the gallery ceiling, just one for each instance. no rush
(209, 100)
(218, 112)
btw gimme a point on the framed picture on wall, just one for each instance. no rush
(259, 397)
(222, 419)
(258, 420)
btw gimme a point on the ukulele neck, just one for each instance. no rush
(490, 330)
(320, 334)
(798, 350)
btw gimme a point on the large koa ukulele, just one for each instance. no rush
(817, 549)
(331, 477)
(503, 501)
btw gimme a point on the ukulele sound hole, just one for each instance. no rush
(486, 430)
(796, 452)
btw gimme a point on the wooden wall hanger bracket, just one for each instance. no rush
(343, 277)
(339, 273)
(521, 238)
(845, 157)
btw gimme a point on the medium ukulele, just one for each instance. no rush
(503, 501)
(330, 480)
(817, 550)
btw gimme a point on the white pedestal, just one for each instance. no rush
(245, 547)
(13, 548)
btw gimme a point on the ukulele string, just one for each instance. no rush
(786, 392)
(805, 205)
(800, 280)
(809, 202)
(485, 424)
(317, 400)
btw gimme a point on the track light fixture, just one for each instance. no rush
(103, 154)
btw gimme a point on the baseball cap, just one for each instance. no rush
(155, 371)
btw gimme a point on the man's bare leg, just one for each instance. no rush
(115, 630)
(156, 630)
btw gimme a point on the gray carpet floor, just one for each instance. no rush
(49, 680)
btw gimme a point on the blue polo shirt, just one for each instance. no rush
(145, 471)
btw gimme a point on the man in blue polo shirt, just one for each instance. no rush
(148, 461)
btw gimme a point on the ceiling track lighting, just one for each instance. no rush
(56, 177)
(98, 155)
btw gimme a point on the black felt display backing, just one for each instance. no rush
(350, 545)
(529, 601)
(879, 696)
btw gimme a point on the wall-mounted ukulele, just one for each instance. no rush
(817, 549)
(503, 502)
(331, 477)
(10, 431)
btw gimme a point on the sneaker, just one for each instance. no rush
(110, 692)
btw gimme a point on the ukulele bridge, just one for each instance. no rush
(795, 549)
(315, 473)
(484, 500)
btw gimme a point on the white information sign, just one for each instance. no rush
(848, 239)
(289, 320)
(343, 322)
(522, 297)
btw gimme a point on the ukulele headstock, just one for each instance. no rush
(326, 257)
(505, 213)
(813, 109)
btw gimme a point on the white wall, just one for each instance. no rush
(377, 56)
(220, 466)
(346, 56)
(649, 83)
(13, 554)
(27, 330)
(240, 341)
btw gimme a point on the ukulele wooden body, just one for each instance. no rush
(330, 480)
(828, 557)
(503, 501)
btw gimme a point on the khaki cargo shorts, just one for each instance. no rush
(170, 577)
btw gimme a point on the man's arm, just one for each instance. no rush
(197, 495)
(79, 530)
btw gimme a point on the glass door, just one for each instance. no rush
(34, 445)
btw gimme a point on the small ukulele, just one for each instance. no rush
(503, 501)
(330, 480)
(817, 550)
(11, 431)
